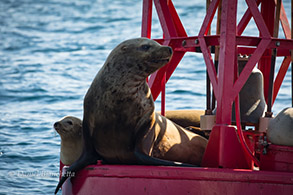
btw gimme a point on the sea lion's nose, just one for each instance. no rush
(56, 124)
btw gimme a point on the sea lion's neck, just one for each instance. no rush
(124, 79)
(70, 150)
(123, 70)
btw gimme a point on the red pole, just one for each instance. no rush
(292, 52)
(146, 24)
(268, 14)
(163, 95)
(226, 61)
(216, 59)
(208, 82)
(224, 149)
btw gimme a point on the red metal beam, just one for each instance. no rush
(172, 27)
(259, 20)
(225, 84)
(286, 62)
(245, 20)
(263, 45)
(226, 62)
(175, 36)
(146, 23)
(208, 18)
(285, 23)
(280, 76)
(165, 18)
(176, 20)
(224, 149)
(192, 42)
(268, 15)
(203, 45)
(210, 65)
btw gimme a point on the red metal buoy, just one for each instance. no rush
(228, 167)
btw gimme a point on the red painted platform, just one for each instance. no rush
(131, 179)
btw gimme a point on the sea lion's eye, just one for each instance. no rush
(145, 47)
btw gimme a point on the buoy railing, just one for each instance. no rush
(227, 44)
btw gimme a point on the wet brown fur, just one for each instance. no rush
(119, 123)
(119, 109)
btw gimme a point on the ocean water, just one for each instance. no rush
(50, 50)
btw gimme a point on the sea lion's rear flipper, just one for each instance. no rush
(149, 160)
(85, 160)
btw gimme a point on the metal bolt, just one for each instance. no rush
(278, 43)
(183, 43)
(265, 144)
(196, 41)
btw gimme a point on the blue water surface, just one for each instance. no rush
(50, 50)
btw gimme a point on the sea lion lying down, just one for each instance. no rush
(120, 124)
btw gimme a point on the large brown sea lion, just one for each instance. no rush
(70, 130)
(120, 124)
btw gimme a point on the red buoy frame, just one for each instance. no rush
(231, 42)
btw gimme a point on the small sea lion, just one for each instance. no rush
(120, 125)
(70, 130)
(280, 129)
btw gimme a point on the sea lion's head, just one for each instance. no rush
(141, 55)
(69, 127)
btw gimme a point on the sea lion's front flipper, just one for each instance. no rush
(144, 159)
(85, 160)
